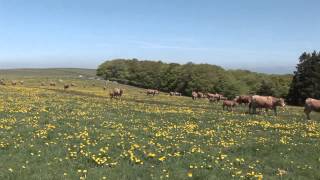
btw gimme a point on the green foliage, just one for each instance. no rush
(306, 80)
(190, 77)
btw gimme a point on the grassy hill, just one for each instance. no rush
(50, 133)
(50, 72)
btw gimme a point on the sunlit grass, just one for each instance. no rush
(49, 133)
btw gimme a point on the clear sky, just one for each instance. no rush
(262, 35)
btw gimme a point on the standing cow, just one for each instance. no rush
(267, 102)
(116, 93)
(230, 104)
(66, 86)
(194, 95)
(152, 92)
(311, 105)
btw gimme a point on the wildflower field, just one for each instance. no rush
(50, 133)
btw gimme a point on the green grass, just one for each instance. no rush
(49, 133)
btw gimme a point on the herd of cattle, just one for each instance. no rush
(252, 101)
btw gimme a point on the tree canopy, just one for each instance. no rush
(192, 77)
(306, 79)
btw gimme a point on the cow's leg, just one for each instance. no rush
(275, 110)
(307, 111)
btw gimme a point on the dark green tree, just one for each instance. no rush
(306, 79)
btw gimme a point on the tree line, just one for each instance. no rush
(193, 77)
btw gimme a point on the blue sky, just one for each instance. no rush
(261, 35)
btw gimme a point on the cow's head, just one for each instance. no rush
(281, 102)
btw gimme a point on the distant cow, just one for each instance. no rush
(73, 85)
(13, 83)
(21, 82)
(311, 105)
(215, 97)
(52, 84)
(2, 82)
(116, 93)
(267, 102)
(244, 99)
(194, 95)
(66, 86)
(201, 95)
(175, 94)
(152, 92)
(230, 104)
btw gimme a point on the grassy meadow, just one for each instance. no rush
(80, 133)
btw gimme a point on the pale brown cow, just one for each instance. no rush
(230, 104)
(117, 93)
(267, 102)
(311, 105)
(2, 82)
(13, 83)
(194, 95)
(152, 92)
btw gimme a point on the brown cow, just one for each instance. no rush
(194, 95)
(311, 105)
(243, 99)
(52, 84)
(66, 86)
(267, 102)
(230, 104)
(117, 93)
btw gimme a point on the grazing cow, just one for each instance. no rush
(117, 93)
(52, 84)
(152, 92)
(230, 104)
(267, 102)
(13, 83)
(311, 105)
(244, 99)
(21, 82)
(66, 86)
(194, 95)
